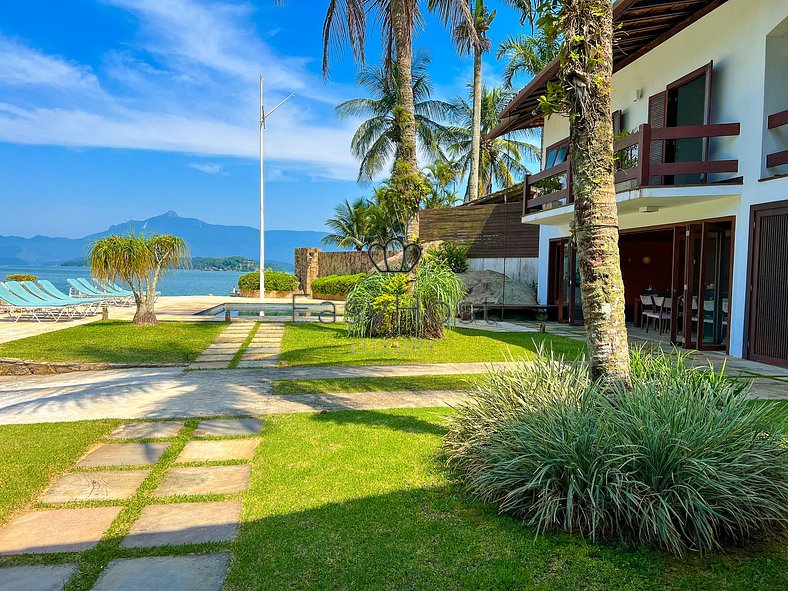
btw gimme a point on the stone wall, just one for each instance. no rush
(22, 367)
(310, 263)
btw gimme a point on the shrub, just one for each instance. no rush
(682, 461)
(20, 277)
(393, 304)
(336, 284)
(452, 255)
(274, 281)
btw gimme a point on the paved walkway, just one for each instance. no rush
(169, 477)
(223, 350)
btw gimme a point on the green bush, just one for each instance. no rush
(683, 461)
(274, 281)
(336, 284)
(20, 277)
(452, 255)
(392, 304)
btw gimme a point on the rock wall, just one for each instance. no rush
(310, 263)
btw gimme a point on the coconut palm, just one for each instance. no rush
(583, 94)
(139, 261)
(501, 159)
(526, 54)
(349, 225)
(346, 23)
(376, 141)
(442, 176)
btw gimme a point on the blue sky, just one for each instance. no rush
(120, 109)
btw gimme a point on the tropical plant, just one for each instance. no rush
(454, 256)
(526, 54)
(394, 304)
(442, 176)
(683, 461)
(346, 23)
(349, 225)
(20, 277)
(139, 261)
(274, 281)
(501, 158)
(376, 141)
(582, 93)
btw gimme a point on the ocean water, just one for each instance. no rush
(179, 282)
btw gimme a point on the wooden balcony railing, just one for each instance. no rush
(553, 187)
(777, 158)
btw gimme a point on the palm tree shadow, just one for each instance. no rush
(383, 420)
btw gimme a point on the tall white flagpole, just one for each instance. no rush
(262, 193)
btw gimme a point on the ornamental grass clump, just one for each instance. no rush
(683, 461)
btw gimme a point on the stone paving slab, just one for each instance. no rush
(209, 365)
(112, 485)
(220, 480)
(218, 450)
(124, 454)
(224, 357)
(258, 356)
(51, 577)
(217, 346)
(256, 364)
(251, 349)
(228, 427)
(202, 572)
(56, 530)
(184, 523)
(148, 430)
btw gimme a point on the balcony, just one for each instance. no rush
(639, 164)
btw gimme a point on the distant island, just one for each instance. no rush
(237, 264)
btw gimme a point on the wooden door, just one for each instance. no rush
(768, 322)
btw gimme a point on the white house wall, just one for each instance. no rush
(734, 37)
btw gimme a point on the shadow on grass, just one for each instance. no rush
(436, 538)
(387, 420)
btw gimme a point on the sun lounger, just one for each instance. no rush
(120, 299)
(77, 290)
(19, 307)
(87, 307)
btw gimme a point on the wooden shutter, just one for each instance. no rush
(657, 119)
(617, 122)
(768, 321)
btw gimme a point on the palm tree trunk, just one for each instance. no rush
(146, 313)
(406, 114)
(596, 218)
(476, 138)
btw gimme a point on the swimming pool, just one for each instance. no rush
(283, 310)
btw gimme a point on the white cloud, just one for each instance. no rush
(186, 83)
(208, 168)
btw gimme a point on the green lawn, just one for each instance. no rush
(31, 455)
(355, 500)
(117, 341)
(434, 382)
(328, 344)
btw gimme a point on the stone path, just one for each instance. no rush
(265, 347)
(162, 524)
(222, 351)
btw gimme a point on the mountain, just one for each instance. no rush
(204, 240)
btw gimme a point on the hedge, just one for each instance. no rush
(336, 284)
(274, 281)
(20, 277)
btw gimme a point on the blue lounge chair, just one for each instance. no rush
(85, 306)
(77, 290)
(18, 307)
(119, 299)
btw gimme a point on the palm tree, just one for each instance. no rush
(501, 159)
(346, 23)
(139, 261)
(376, 141)
(349, 225)
(526, 54)
(583, 94)
(442, 176)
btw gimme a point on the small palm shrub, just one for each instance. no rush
(683, 461)
(274, 281)
(20, 277)
(394, 304)
(452, 255)
(336, 284)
